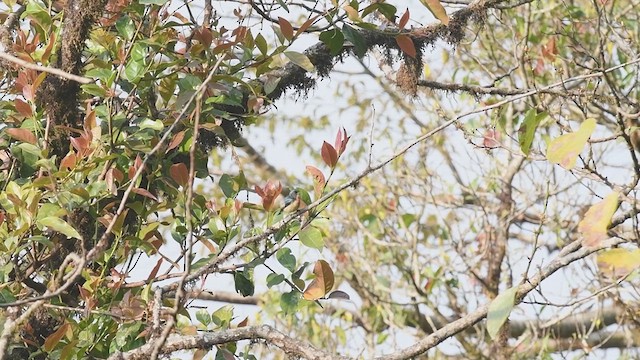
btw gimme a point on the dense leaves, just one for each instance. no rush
(155, 171)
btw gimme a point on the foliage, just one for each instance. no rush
(133, 182)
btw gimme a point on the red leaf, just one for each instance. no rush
(406, 45)
(138, 162)
(244, 322)
(176, 140)
(491, 139)
(179, 173)
(341, 141)
(154, 271)
(329, 155)
(404, 19)
(80, 144)
(269, 193)
(144, 192)
(22, 135)
(286, 28)
(23, 108)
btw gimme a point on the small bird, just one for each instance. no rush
(634, 132)
(292, 202)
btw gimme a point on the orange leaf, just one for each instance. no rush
(329, 155)
(22, 135)
(23, 108)
(306, 25)
(69, 161)
(53, 339)
(323, 282)
(404, 19)
(318, 180)
(179, 173)
(286, 28)
(208, 245)
(175, 141)
(406, 45)
(550, 50)
(47, 50)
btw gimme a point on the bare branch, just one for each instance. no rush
(289, 345)
(50, 70)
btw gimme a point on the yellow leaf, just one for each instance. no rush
(618, 262)
(593, 226)
(437, 10)
(352, 13)
(565, 149)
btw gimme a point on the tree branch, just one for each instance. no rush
(293, 347)
(570, 253)
(50, 70)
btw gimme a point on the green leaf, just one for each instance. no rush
(156, 125)
(125, 27)
(358, 42)
(59, 225)
(204, 317)
(28, 155)
(311, 237)
(499, 310)
(261, 43)
(300, 59)
(565, 149)
(274, 279)
(243, 284)
(333, 39)
(222, 317)
(228, 185)
(289, 301)
(39, 14)
(134, 71)
(527, 130)
(94, 89)
(286, 259)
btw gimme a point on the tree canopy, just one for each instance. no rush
(319, 179)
